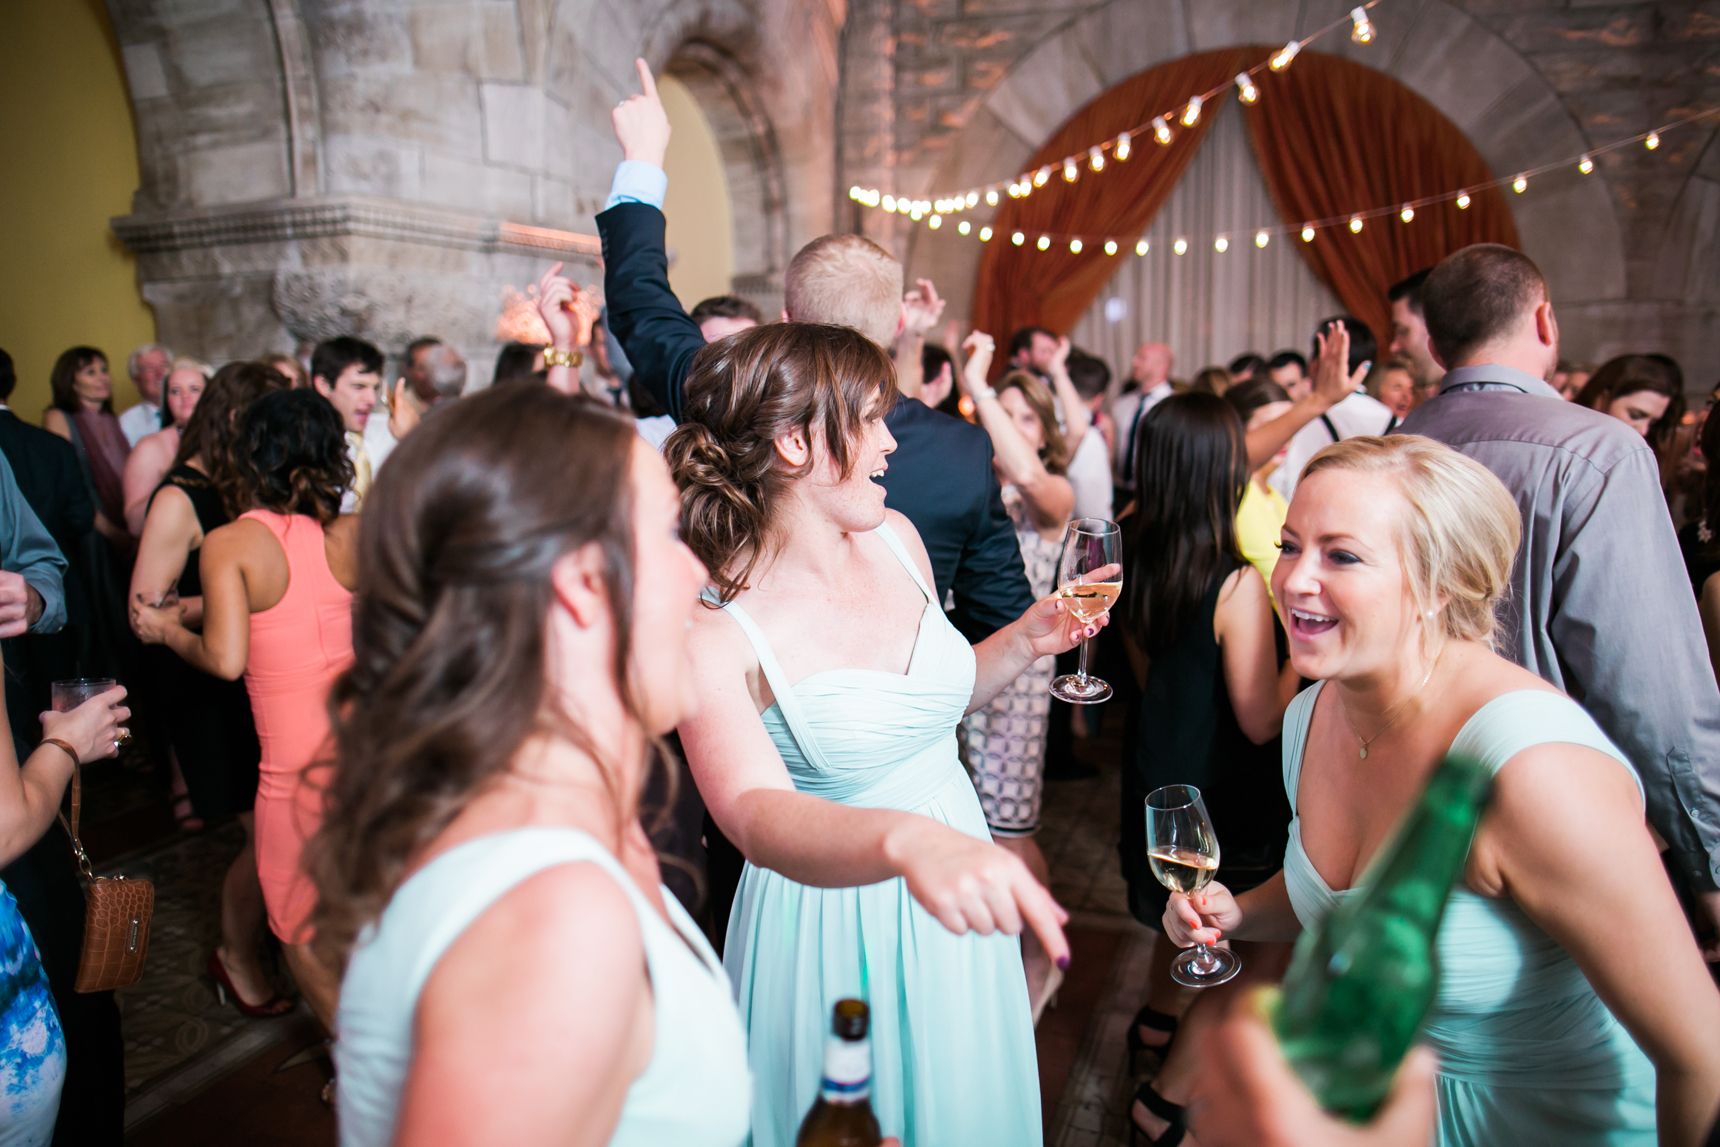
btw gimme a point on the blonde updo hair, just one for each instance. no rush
(1460, 537)
(744, 392)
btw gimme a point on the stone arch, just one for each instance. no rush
(1510, 113)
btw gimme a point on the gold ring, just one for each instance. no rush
(121, 736)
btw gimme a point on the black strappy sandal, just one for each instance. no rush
(1172, 1113)
(1157, 1021)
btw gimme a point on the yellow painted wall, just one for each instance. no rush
(701, 232)
(70, 164)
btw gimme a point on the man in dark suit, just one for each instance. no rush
(92, 1103)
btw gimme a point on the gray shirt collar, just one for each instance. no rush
(1498, 376)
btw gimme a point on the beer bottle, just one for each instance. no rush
(843, 1117)
(1361, 983)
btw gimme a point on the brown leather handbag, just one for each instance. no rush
(116, 913)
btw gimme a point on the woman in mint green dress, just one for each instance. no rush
(830, 686)
(1574, 1007)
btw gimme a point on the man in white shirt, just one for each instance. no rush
(148, 367)
(1355, 415)
(347, 372)
(1151, 370)
(1090, 469)
(434, 371)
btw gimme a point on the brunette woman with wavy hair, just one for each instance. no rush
(209, 722)
(277, 608)
(519, 649)
(830, 686)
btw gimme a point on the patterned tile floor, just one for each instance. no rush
(1078, 834)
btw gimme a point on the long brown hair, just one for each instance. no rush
(213, 429)
(456, 546)
(1055, 451)
(1190, 473)
(1631, 374)
(744, 392)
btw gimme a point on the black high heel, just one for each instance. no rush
(1157, 1021)
(1172, 1113)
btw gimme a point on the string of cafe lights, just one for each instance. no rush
(1355, 221)
(1120, 146)
(1362, 31)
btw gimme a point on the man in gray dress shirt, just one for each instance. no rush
(1600, 604)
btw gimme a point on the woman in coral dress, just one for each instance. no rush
(277, 607)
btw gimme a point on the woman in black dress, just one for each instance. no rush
(1198, 625)
(208, 719)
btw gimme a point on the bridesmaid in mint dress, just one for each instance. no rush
(1574, 1007)
(830, 686)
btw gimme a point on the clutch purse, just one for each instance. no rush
(117, 910)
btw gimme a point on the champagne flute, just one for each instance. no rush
(1089, 580)
(1183, 852)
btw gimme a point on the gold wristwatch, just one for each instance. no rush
(553, 357)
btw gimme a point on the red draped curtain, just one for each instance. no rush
(1332, 138)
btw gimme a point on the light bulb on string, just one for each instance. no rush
(991, 197)
(1585, 164)
(1191, 113)
(855, 192)
(963, 227)
(1307, 233)
(1653, 140)
(1407, 213)
(1142, 247)
(985, 234)
(1095, 158)
(1221, 244)
(1044, 242)
(916, 213)
(1462, 200)
(1180, 246)
(1110, 246)
(889, 202)
(1070, 173)
(1261, 238)
(1520, 184)
(935, 222)
(1363, 32)
(973, 199)
(1245, 89)
(1161, 129)
(1041, 176)
(1074, 246)
(1018, 238)
(1355, 224)
(1122, 149)
(1285, 54)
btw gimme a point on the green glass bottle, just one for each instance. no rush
(842, 1115)
(1360, 985)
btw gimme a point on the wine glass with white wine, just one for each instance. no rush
(1183, 851)
(1089, 580)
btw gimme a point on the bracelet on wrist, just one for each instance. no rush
(570, 358)
(982, 392)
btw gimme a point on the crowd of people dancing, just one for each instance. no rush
(592, 738)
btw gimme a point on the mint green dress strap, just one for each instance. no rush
(696, 1088)
(1528, 1053)
(896, 547)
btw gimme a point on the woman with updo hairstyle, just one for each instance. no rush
(208, 719)
(277, 608)
(1574, 1006)
(515, 970)
(830, 686)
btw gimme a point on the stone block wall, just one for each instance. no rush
(386, 167)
